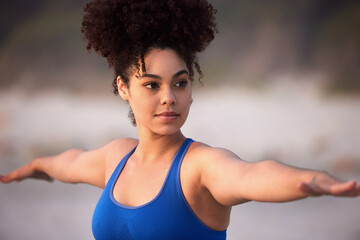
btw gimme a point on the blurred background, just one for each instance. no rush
(282, 81)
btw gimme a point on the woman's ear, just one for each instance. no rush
(122, 88)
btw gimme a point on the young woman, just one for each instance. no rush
(164, 185)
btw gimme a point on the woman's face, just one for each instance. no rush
(161, 97)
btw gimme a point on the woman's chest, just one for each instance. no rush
(137, 185)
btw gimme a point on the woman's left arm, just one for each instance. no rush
(232, 181)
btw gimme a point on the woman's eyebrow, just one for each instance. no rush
(180, 73)
(149, 75)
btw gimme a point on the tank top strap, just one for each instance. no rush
(174, 171)
(119, 168)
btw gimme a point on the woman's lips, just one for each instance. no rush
(167, 116)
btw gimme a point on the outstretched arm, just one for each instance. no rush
(72, 166)
(276, 182)
(232, 181)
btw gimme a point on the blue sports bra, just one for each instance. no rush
(167, 216)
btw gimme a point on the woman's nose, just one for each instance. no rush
(167, 97)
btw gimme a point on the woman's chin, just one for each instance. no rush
(167, 131)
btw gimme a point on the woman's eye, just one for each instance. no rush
(181, 84)
(152, 85)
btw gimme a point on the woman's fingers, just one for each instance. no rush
(3, 179)
(345, 189)
(9, 177)
(6, 178)
(22, 173)
(342, 189)
(351, 190)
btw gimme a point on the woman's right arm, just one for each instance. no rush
(72, 166)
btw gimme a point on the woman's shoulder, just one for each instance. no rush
(202, 157)
(116, 150)
(205, 152)
(121, 144)
(203, 163)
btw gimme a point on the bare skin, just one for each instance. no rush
(213, 179)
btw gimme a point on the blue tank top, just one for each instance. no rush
(167, 216)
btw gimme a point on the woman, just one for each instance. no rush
(164, 185)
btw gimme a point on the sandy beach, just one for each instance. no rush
(289, 122)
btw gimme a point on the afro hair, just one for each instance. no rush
(123, 31)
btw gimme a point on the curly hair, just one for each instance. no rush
(123, 31)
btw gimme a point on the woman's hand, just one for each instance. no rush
(328, 185)
(23, 173)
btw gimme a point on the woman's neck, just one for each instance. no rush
(154, 147)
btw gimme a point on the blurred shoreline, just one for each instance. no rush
(290, 122)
